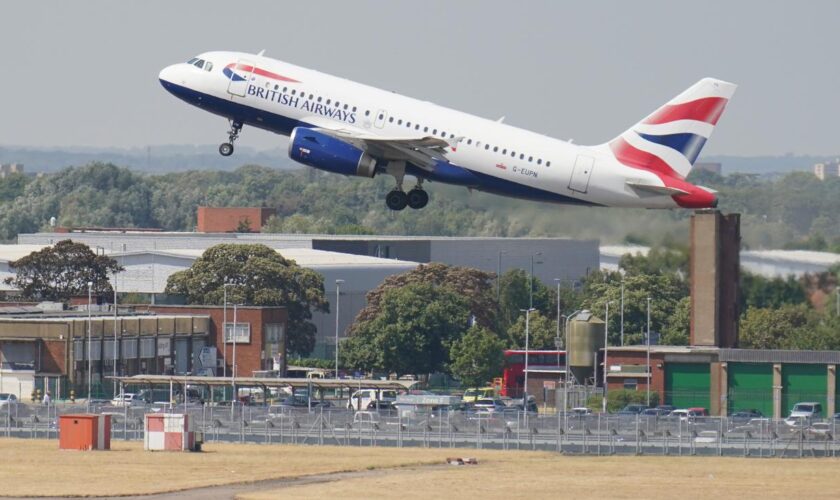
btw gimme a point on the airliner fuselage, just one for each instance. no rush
(346, 127)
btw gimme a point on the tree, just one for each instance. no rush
(542, 331)
(257, 275)
(678, 329)
(758, 291)
(477, 357)
(62, 271)
(515, 295)
(664, 290)
(472, 284)
(766, 328)
(411, 332)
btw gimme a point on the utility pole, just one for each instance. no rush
(649, 375)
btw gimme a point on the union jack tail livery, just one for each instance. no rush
(668, 141)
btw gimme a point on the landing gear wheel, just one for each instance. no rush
(417, 198)
(226, 149)
(396, 200)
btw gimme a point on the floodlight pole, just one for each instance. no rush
(338, 283)
(90, 332)
(649, 375)
(235, 396)
(527, 342)
(622, 311)
(606, 349)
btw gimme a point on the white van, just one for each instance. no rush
(370, 399)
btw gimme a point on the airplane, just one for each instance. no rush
(349, 128)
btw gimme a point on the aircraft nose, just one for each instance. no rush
(169, 76)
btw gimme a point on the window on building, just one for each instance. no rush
(631, 384)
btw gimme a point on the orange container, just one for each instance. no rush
(84, 432)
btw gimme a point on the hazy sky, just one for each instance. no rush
(85, 73)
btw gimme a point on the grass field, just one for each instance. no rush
(38, 468)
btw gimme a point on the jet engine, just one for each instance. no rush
(323, 151)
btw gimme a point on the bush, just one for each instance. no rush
(619, 398)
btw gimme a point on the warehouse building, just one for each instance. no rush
(728, 380)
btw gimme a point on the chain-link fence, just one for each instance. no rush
(566, 433)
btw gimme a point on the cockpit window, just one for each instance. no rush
(208, 66)
(192, 61)
(199, 63)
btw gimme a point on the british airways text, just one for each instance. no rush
(302, 104)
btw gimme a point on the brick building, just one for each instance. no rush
(232, 219)
(49, 350)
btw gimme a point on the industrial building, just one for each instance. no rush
(47, 348)
(360, 262)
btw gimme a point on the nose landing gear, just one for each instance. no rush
(226, 149)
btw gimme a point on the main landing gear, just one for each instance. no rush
(398, 199)
(226, 149)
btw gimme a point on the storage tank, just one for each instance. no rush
(586, 338)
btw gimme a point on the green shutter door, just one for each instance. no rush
(751, 386)
(802, 383)
(687, 385)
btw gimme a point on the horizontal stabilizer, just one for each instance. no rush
(655, 190)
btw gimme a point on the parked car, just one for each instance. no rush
(488, 405)
(127, 399)
(473, 394)
(820, 429)
(362, 399)
(7, 399)
(581, 411)
(753, 425)
(803, 412)
(658, 411)
(746, 415)
(688, 414)
(633, 409)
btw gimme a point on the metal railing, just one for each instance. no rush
(567, 433)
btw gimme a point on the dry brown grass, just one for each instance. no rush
(38, 468)
(544, 475)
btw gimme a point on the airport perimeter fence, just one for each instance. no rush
(508, 430)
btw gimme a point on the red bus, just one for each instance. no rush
(542, 362)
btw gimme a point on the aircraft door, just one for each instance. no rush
(580, 174)
(240, 77)
(381, 115)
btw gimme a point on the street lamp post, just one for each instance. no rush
(499, 277)
(89, 344)
(115, 335)
(224, 331)
(337, 310)
(648, 352)
(622, 311)
(233, 365)
(606, 350)
(531, 282)
(566, 376)
(527, 345)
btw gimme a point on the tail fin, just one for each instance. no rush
(669, 140)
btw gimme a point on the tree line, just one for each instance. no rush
(794, 211)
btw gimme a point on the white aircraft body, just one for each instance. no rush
(353, 129)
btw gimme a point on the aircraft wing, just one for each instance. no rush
(420, 150)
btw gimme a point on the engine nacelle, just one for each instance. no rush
(323, 151)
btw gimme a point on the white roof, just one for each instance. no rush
(10, 253)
